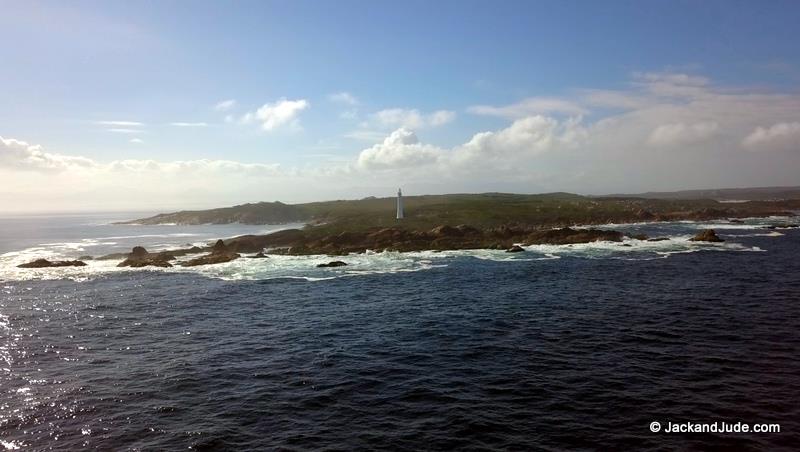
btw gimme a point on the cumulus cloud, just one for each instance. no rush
(781, 136)
(273, 115)
(225, 105)
(343, 97)
(401, 149)
(681, 133)
(137, 140)
(16, 154)
(413, 118)
(523, 139)
(38, 180)
(528, 107)
(625, 146)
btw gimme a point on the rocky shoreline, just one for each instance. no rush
(511, 238)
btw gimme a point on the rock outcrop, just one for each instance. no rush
(443, 237)
(44, 263)
(515, 249)
(140, 257)
(220, 253)
(332, 264)
(706, 235)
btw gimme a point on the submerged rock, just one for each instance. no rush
(332, 264)
(658, 239)
(515, 249)
(707, 235)
(140, 257)
(260, 255)
(44, 263)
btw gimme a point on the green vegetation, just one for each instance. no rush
(487, 210)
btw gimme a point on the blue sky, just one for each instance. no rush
(109, 81)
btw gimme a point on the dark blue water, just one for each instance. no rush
(571, 353)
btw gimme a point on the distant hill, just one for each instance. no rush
(485, 210)
(724, 194)
(258, 213)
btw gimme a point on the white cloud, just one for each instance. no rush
(20, 155)
(627, 149)
(40, 180)
(681, 133)
(120, 123)
(441, 117)
(137, 140)
(343, 97)
(781, 136)
(528, 107)
(400, 117)
(273, 115)
(124, 130)
(225, 105)
(401, 149)
(524, 138)
(675, 85)
(189, 124)
(672, 78)
(412, 118)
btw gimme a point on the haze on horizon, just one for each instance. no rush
(125, 105)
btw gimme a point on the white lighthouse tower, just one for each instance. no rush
(399, 204)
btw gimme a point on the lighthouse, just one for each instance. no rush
(399, 204)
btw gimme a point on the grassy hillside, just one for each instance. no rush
(258, 213)
(478, 210)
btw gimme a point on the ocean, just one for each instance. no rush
(560, 347)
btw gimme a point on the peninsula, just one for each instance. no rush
(459, 221)
(498, 221)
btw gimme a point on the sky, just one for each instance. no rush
(195, 104)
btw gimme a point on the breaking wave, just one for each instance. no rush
(305, 267)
